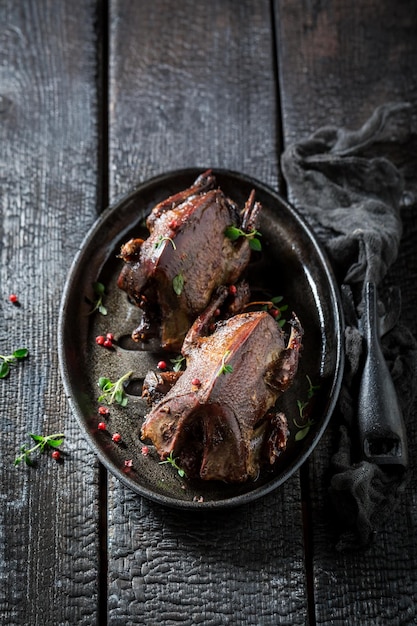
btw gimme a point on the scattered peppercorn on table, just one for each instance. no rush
(96, 98)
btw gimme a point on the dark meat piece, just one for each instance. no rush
(157, 384)
(217, 418)
(173, 274)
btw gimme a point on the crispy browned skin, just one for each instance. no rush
(187, 244)
(218, 423)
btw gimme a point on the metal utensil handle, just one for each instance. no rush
(382, 434)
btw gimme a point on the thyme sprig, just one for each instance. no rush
(233, 233)
(10, 359)
(42, 442)
(178, 362)
(273, 306)
(114, 392)
(170, 460)
(225, 368)
(312, 389)
(303, 406)
(278, 309)
(98, 305)
(158, 243)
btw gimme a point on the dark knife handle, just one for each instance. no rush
(382, 434)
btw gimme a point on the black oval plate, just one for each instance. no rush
(292, 264)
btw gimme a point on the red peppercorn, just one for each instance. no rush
(101, 426)
(100, 340)
(162, 365)
(196, 382)
(56, 455)
(116, 437)
(103, 410)
(232, 290)
(13, 298)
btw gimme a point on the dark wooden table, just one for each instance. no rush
(94, 98)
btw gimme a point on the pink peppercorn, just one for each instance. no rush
(145, 450)
(162, 365)
(196, 382)
(116, 437)
(13, 298)
(101, 426)
(56, 455)
(232, 290)
(100, 340)
(103, 410)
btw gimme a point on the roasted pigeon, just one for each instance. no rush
(217, 418)
(173, 274)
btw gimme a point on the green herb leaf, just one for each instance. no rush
(55, 443)
(225, 368)
(304, 408)
(42, 442)
(177, 363)
(312, 388)
(171, 461)
(37, 438)
(233, 233)
(21, 353)
(99, 291)
(9, 359)
(178, 284)
(114, 392)
(255, 244)
(4, 369)
(104, 382)
(300, 434)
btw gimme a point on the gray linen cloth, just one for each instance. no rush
(350, 187)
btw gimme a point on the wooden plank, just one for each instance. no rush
(337, 62)
(193, 84)
(48, 174)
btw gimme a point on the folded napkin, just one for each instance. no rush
(350, 187)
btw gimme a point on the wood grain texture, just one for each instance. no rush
(239, 567)
(336, 64)
(193, 84)
(48, 194)
(342, 61)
